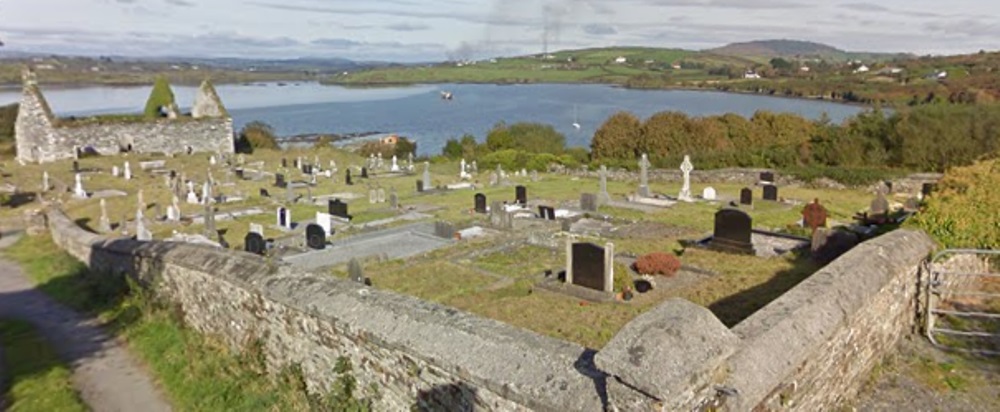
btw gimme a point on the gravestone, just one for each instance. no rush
(426, 183)
(521, 194)
(315, 237)
(354, 271)
(104, 224)
(210, 229)
(380, 195)
(767, 177)
(542, 212)
(733, 232)
(337, 208)
(420, 186)
(499, 218)
(444, 230)
(76, 166)
(547, 213)
(325, 220)
(644, 176)
(45, 181)
(588, 202)
(879, 206)
(480, 203)
(240, 175)
(912, 205)
(771, 193)
(283, 218)
(709, 194)
(347, 178)
(829, 244)
(686, 168)
(284, 163)
(78, 190)
(393, 199)
(603, 197)
(257, 228)
(814, 215)
(264, 193)
(372, 196)
(279, 181)
(588, 266)
(364, 172)
(927, 188)
(746, 196)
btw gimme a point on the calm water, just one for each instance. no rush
(419, 112)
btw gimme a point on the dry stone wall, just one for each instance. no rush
(808, 350)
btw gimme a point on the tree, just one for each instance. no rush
(161, 97)
(256, 135)
(527, 137)
(618, 138)
(780, 64)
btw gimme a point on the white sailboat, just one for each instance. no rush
(576, 118)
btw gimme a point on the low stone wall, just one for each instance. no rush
(208, 135)
(808, 350)
(404, 351)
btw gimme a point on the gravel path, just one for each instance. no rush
(104, 373)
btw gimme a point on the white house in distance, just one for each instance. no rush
(862, 69)
(750, 74)
(621, 60)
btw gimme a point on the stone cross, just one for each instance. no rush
(603, 197)
(78, 188)
(686, 168)
(462, 174)
(105, 223)
(644, 176)
(409, 157)
(128, 171)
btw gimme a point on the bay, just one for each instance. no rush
(420, 113)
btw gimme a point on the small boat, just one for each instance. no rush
(446, 95)
(576, 119)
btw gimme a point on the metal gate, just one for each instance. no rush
(962, 301)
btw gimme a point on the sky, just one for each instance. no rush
(434, 30)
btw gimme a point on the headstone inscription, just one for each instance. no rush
(733, 232)
(254, 243)
(315, 237)
(746, 196)
(521, 194)
(771, 193)
(480, 203)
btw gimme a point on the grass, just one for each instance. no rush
(38, 380)
(195, 371)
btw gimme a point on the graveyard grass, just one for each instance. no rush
(194, 371)
(36, 379)
(498, 284)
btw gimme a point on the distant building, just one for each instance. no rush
(862, 69)
(390, 140)
(621, 60)
(804, 69)
(675, 66)
(750, 74)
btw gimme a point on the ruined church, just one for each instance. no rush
(42, 137)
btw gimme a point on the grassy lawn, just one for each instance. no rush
(195, 372)
(38, 380)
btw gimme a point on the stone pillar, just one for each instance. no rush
(609, 267)
(569, 259)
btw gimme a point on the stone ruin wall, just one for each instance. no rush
(811, 349)
(41, 138)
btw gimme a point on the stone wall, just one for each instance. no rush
(41, 137)
(810, 349)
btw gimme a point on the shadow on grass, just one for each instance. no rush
(740, 306)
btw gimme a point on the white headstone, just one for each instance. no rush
(257, 228)
(288, 218)
(206, 193)
(45, 181)
(463, 174)
(105, 223)
(709, 193)
(192, 198)
(686, 167)
(78, 188)
(395, 164)
(212, 161)
(325, 220)
(128, 171)
(114, 171)
(644, 176)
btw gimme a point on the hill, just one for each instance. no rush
(761, 50)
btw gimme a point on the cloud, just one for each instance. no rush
(336, 43)
(180, 3)
(598, 29)
(964, 27)
(407, 27)
(732, 4)
(863, 7)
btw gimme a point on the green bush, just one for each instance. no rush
(256, 135)
(962, 212)
(849, 176)
(541, 162)
(161, 96)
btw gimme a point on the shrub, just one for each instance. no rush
(160, 96)
(961, 213)
(256, 135)
(658, 263)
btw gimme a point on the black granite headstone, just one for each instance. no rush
(733, 232)
(173, 174)
(420, 186)
(767, 177)
(521, 194)
(480, 203)
(315, 237)
(347, 178)
(76, 166)
(364, 172)
(928, 188)
(254, 243)
(771, 193)
(588, 266)
(541, 212)
(283, 217)
(279, 181)
(264, 193)
(746, 196)
(284, 162)
(239, 174)
(337, 208)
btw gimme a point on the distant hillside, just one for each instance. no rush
(761, 50)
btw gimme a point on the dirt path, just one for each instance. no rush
(104, 373)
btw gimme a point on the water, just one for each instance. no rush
(418, 112)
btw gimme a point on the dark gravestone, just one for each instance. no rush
(521, 195)
(173, 174)
(588, 266)
(364, 172)
(444, 230)
(480, 203)
(420, 186)
(767, 177)
(284, 162)
(347, 178)
(337, 208)
(771, 193)
(254, 243)
(588, 202)
(239, 174)
(76, 166)
(283, 217)
(550, 213)
(746, 196)
(354, 271)
(541, 212)
(814, 215)
(733, 232)
(279, 181)
(307, 169)
(264, 193)
(928, 188)
(315, 237)
(828, 245)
